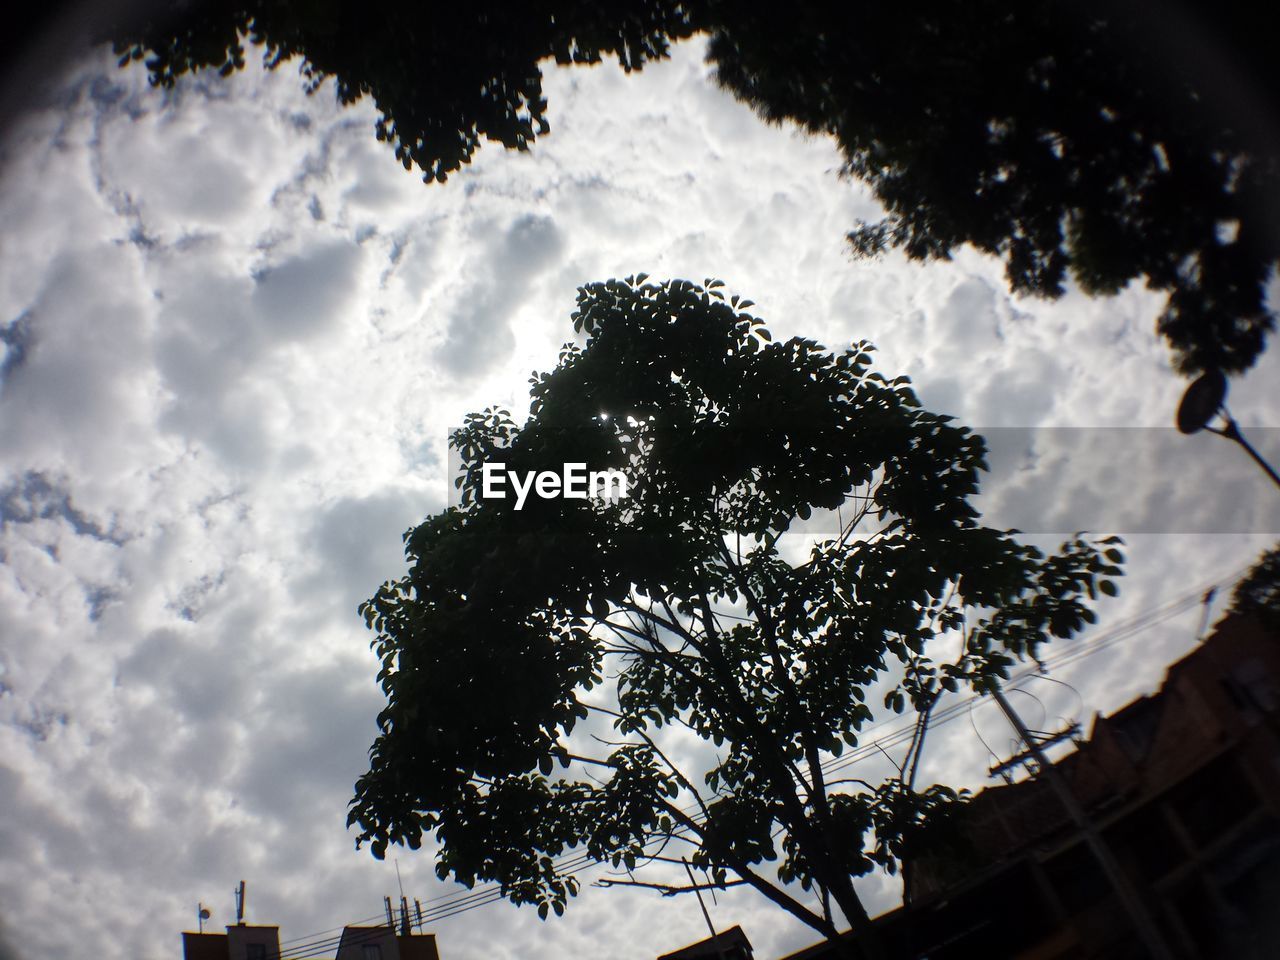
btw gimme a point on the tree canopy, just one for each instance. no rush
(1099, 141)
(1258, 593)
(651, 676)
(442, 76)
(1102, 141)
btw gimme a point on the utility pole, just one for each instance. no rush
(715, 937)
(1145, 925)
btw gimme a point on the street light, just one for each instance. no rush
(1206, 399)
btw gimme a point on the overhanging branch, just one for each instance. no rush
(666, 889)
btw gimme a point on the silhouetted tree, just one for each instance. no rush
(1258, 594)
(1105, 140)
(535, 660)
(442, 76)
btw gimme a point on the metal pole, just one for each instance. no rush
(1206, 399)
(715, 937)
(1232, 432)
(1143, 922)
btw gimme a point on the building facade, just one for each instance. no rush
(244, 942)
(1184, 788)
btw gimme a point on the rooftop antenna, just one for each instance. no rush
(715, 937)
(202, 914)
(1207, 602)
(404, 903)
(240, 904)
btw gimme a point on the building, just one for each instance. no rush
(385, 942)
(240, 942)
(731, 944)
(1184, 787)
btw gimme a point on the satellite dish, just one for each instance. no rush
(204, 913)
(1201, 402)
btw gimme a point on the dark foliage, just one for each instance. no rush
(1258, 594)
(533, 659)
(1105, 141)
(442, 76)
(1100, 141)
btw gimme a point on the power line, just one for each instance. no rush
(354, 923)
(1108, 639)
(455, 904)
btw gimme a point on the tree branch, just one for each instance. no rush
(743, 870)
(667, 889)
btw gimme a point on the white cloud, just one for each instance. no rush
(237, 335)
(507, 265)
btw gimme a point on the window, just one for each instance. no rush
(255, 951)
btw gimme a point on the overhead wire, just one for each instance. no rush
(455, 904)
(1106, 640)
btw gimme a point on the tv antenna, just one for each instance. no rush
(202, 914)
(1206, 603)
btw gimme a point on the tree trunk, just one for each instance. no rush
(867, 944)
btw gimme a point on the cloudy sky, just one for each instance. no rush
(235, 335)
